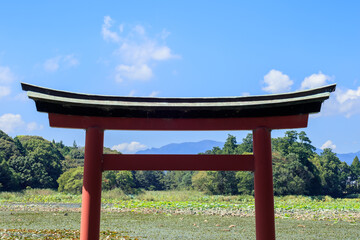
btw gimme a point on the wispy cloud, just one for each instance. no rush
(52, 64)
(107, 34)
(136, 50)
(132, 93)
(6, 78)
(4, 91)
(154, 94)
(6, 75)
(132, 147)
(70, 60)
(33, 126)
(21, 97)
(133, 72)
(11, 122)
(277, 82)
(65, 61)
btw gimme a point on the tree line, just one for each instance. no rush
(33, 162)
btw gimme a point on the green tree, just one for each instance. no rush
(292, 154)
(200, 181)
(178, 180)
(149, 180)
(245, 182)
(71, 181)
(32, 172)
(355, 167)
(284, 144)
(230, 145)
(64, 150)
(330, 168)
(118, 179)
(246, 146)
(215, 150)
(9, 148)
(42, 165)
(9, 180)
(222, 182)
(354, 184)
(76, 153)
(291, 176)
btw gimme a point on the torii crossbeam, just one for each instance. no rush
(96, 113)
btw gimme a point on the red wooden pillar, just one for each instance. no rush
(263, 185)
(91, 191)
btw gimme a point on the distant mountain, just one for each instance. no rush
(184, 148)
(348, 157)
(202, 146)
(344, 157)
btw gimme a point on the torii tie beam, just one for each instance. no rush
(96, 113)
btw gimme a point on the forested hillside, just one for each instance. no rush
(34, 162)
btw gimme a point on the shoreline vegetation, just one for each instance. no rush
(48, 214)
(187, 202)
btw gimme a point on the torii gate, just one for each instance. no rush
(96, 113)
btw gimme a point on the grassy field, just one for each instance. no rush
(46, 214)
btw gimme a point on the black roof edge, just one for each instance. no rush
(52, 92)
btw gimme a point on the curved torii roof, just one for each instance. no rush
(286, 104)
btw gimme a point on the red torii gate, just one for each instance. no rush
(96, 113)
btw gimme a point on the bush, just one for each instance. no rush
(245, 182)
(71, 181)
(200, 181)
(118, 179)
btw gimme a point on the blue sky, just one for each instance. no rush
(181, 49)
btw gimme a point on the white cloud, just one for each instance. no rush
(139, 30)
(106, 33)
(21, 97)
(328, 144)
(10, 122)
(133, 72)
(277, 82)
(132, 93)
(70, 60)
(162, 53)
(154, 94)
(346, 102)
(315, 80)
(144, 51)
(4, 91)
(6, 75)
(132, 147)
(33, 126)
(136, 50)
(121, 28)
(164, 34)
(348, 95)
(54, 64)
